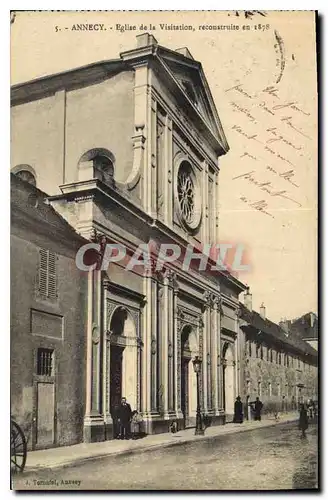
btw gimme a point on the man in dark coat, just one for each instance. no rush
(303, 421)
(124, 415)
(258, 405)
(116, 421)
(238, 411)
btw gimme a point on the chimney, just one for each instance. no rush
(285, 325)
(262, 311)
(312, 320)
(248, 299)
(145, 40)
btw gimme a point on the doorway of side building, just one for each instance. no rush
(123, 359)
(228, 381)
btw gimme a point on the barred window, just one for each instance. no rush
(48, 274)
(45, 362)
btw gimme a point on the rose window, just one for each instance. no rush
(187, 194)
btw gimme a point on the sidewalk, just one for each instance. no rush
(79, 453)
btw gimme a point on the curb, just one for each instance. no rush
(81, 461)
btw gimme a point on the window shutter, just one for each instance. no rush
(52, 279)
(43, 272)
(48, 274)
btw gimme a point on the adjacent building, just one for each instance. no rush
(279, 368)
(48, 320)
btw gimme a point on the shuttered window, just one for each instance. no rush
(48, 274)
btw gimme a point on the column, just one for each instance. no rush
(205, 224)
(201, 355)
(146, 324)
(208, 359)
(167, 174)
(238, 355)
(177, 355)
(217, 222)
(214, 353)
(220, 387)
(152, 160)
(93, 415)
(171, 290)
(154, 395)
(106, 362)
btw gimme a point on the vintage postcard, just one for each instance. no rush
(164, 317)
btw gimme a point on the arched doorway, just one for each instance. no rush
(228, 379)
(123, 359)
(189, 349)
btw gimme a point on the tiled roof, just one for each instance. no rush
(277, 334)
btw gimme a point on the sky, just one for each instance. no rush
(263, 80)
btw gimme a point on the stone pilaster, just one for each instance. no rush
(177, 355)
(146, 352)
(152, 155)
(220, 387)
(168, 203)
(214, 354)
(93, 420)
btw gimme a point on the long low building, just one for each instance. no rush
(278, 366)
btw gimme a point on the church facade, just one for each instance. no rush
(128, 150)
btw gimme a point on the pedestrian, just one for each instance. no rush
(310, 408)
(258, 405)
(124, 414)
(303, 421)
(116, 421)
(238, 411)
(135, 424)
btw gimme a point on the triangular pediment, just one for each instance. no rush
(190, 77)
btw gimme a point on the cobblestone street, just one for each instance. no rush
(272, 458)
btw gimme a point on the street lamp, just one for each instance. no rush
(199, 428)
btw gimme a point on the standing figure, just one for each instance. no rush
(125, 414)
(258, 405)
(238, 411)
(135, 424)
(303, 421)
(310, 408)
(116, 421)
